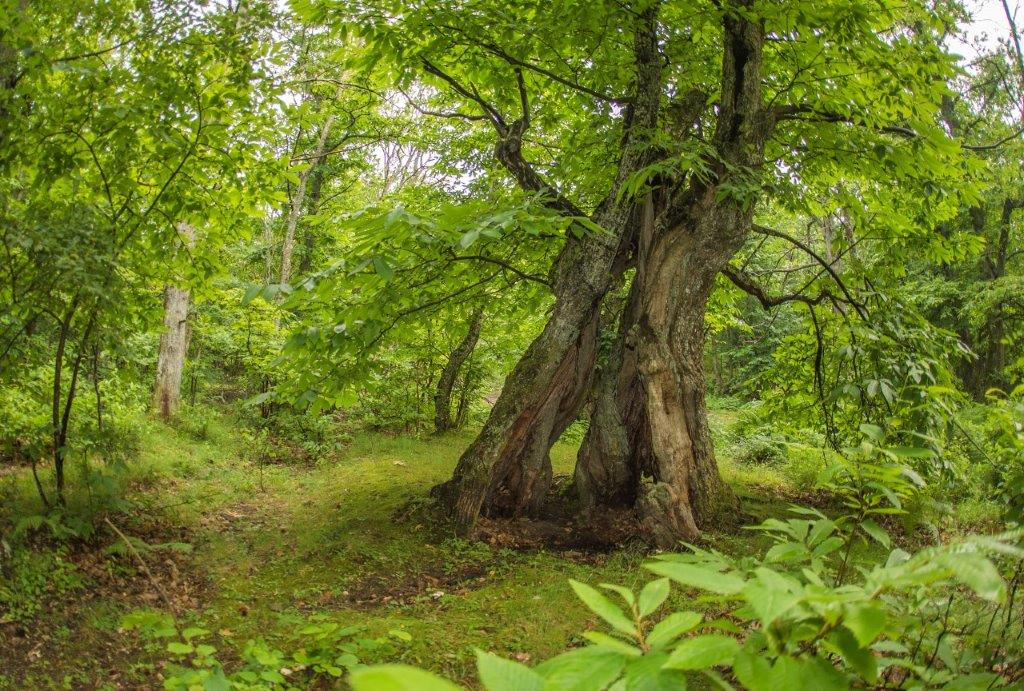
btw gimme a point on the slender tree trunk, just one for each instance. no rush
(174, 340)
(988, 370)
(298, 200)
(446, 382)
(308, 238)
(469, 381)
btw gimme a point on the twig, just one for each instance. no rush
(142, 563)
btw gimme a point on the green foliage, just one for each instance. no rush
(804, 627)
(324, 650)
(33, 579)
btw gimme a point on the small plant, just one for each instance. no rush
(31, 579)
(760, 449)
(196, 421)
(325, 650)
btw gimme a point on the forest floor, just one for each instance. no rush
(348, 539)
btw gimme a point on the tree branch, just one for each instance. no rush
(814, 255)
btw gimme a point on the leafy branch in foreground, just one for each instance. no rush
(782, 625)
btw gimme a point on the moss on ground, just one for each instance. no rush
(350, 536)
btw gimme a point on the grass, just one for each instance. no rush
(348, 536)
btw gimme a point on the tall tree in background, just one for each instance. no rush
(456, 363)
(170, 360)
(91, 188)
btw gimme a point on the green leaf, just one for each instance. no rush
(397, 678)
(910, 452)
(698, 577)
(604, 608)
(647, 674)
(672, 627)
(769, 603)
(583, 669)
(866, 621)
(192, 632)
(383, 269)
(873, 432)
(216, 682)
(861, 659)
(625, 593)
(703, 651)
(598, 638)
(753, 671)
(978, 573)
(653, 594)
(876, 532)
(179, 648)
(785, 551)
(251, 291)
(499, 674)
(805, 673)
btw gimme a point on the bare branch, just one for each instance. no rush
(816, 257)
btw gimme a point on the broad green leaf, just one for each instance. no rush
(604, 608)
(625, 593)
(785, 551)
(703, 651)
(598, 638)
(652, 595)
(383, 268)
(397, 678)
(866, 621)
(672, 627)
(876, 532)
(583, 669)
(753, 670)
(647, 673)
(860, 659)
(499, 674)
(697, 577)
(978, 573)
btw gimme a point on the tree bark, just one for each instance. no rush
(174, 340)
(315, 191)
(298, 200)
(450, 372)
(507, 469)
(649, 444)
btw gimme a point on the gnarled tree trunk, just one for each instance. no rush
(649, 443)
(507, 469)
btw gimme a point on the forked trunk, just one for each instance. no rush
(648, 445)
(649, 440)
(507, 469)
(446, 382)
